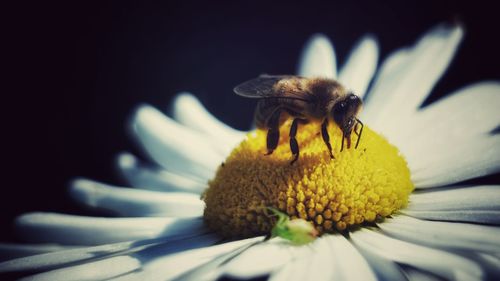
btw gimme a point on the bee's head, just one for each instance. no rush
(344, 112)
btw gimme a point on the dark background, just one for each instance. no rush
(76, 70)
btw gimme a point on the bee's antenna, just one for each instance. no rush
(360, 131)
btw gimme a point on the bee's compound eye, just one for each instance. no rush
(342, 104)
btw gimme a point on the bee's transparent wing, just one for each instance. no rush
(263, 87)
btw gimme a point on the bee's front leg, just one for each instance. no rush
(348, 139)
(358, 122)
(326, 136)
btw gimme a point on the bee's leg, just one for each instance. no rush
(343, 137)
(348, 139)
(326, 137)
(360, 131)
(294, 146)
(273, 131)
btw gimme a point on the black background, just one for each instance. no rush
(76, 70)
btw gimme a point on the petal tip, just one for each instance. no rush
(26, 218)
(318, 58)
(371, 42)
(318, 41)
(137, 113)
(181, 98)
(81, 189)
(126, 160)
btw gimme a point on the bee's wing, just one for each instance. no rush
(263, 87)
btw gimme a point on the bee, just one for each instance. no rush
(305, 100)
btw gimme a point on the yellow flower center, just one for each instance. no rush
(359, 185)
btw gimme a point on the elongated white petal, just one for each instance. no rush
(188, 111)
(473, 216)
(456, 162)
(11, 250)
(462, 115)
(260, 259)
(297, 268)
(174, 146)
(444, 234)
(491, 263)
(322, 259)
(483, 197)
(479, 204)
(48, 261)
(384, 268)
(214, 268)
(318, 58)
(400, 91)
(63, 258)
(358, 71)
(159, 264)
(330, 257)
(97, 270)
(349, 264)
(82, 230)
(412, 274)
(133, 202)
(444, 264)
(391, 69)
(141, 175)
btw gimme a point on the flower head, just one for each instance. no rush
(357, 186)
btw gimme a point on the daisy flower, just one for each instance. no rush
(392, 209)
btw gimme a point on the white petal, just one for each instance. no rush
(479, 204)
(174, 146)
(133, 202)
(413, 274)
(297, 268)
(474, 216)
(358, 71)
(260, 259)
(470, 111)
(81, 230)
(384, 268)
(43, 262)
(11, 251)
(318, 58)
(330, 257)
(400, 89)
(323, 259)
(347, 262)
(159, 264)
(97, 270)
(142, 175)
(188, 111)
(215, 267)
(456, 162)
(444, 234)
(444, 264)
(60, 259)
(483, 197)
(490, 262)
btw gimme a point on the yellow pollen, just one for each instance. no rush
(359, 185)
